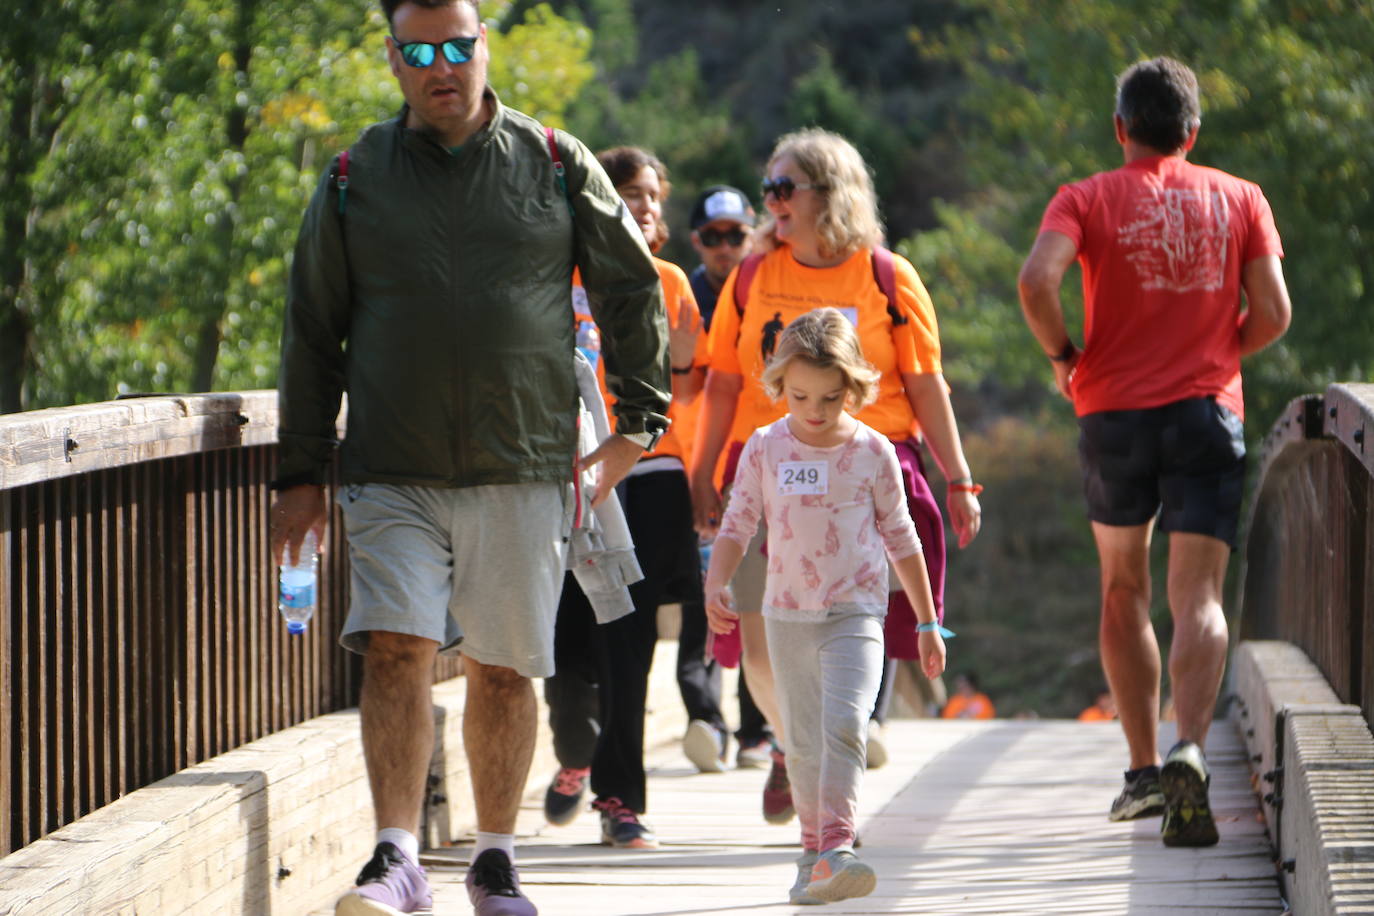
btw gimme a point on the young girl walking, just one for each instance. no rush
(830, 490)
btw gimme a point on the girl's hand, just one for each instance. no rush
(932, 647)
(720, 610)
(965, 515)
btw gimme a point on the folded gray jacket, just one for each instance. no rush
(601, 554)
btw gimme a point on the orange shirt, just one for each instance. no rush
(677, 295)
(1095, 713)
(977, 706)
(783, 289)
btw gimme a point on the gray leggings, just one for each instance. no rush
(826, 674)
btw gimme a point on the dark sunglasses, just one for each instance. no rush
(710, 238)
(782, 188)
(423, 53)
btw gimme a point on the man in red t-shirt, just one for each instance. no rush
(1166, 249)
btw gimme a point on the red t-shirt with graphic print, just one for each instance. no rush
(1162, 243)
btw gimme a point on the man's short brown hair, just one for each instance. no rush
(1158, 102)
(389, 7)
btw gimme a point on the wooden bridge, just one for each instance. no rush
(164, 748)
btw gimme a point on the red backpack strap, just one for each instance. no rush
(885, 274)
(744, 279)
(559, 172)
(341, 180)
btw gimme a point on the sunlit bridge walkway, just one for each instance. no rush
(995, 817)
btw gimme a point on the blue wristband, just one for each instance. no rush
(929, 627)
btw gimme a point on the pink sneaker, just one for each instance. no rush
(777, 793)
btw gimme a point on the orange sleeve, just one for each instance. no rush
(918, 339)
(722, 348)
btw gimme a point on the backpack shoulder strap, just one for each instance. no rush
(885, 275)
(560, 173)
(341, 180)
(744, 279)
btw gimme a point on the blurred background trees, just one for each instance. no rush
(155, 161)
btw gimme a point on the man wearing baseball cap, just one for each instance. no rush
(722, 221)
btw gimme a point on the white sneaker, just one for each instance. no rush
(704, 745)
(877, 746)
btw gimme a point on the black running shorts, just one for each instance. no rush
(1184, 461)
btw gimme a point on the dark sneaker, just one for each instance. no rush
(777, 792)
(704, 745)
(839, 875)
(1140, 796)
(1184, 778)
(755, 755)
(563, 800)
(494, 887)
(388, 884)
(798, 894)
(620, 827)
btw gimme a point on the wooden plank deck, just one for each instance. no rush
(1000, 817)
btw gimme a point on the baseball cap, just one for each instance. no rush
(721, 202)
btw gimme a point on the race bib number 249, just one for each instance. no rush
(803, 478)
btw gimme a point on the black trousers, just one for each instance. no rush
(597, 695)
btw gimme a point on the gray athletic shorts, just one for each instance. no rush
(481, 566)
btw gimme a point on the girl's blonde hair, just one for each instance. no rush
(823, 338)
(848, 218)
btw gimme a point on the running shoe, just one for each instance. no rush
(839, 875)
(777, 792)
(1140, 796)
(877, 745)
(798, 894)
(563, 800)
(388, 884)
(621, 828)
(704, 745)
(1185, 779)
(754, 755)
(494, 887)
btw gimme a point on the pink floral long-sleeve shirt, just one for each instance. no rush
(832, 514)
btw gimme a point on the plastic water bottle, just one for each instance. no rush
(296, 593)
(589, 341)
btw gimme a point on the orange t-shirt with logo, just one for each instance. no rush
(783, 289)
(1162, 244)
(677, 295)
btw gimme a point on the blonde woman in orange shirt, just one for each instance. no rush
(819, 245)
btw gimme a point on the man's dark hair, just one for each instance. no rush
(389, 7)
(1158, 102)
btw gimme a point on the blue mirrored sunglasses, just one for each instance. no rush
(423, 53)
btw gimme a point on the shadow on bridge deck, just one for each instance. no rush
(992, 817)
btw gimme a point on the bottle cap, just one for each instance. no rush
(295, 627)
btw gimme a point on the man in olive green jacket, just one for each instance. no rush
(433, 285)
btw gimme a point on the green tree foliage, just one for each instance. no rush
(1286, 99)
(165, 200)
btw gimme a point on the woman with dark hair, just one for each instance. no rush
(596, 698)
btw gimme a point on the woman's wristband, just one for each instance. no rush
(676, 371)
(1065, 352)
(964, 485)
(934, 627)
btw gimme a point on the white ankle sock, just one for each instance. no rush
(502, 841)
(403, 840)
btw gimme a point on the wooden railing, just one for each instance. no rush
(1309, 559)
(138, 624)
